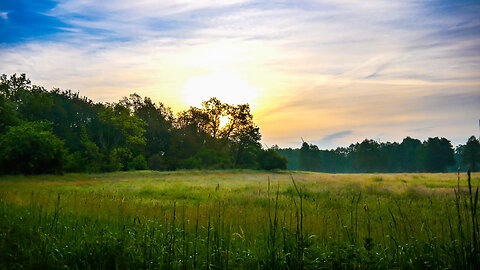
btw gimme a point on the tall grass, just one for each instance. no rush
(466, 242)
(247, 220)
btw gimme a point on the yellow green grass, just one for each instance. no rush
(238, 219)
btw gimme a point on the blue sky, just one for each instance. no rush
(332, 72)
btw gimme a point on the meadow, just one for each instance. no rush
(239, 219)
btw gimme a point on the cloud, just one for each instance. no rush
(333, 139)
(337, 135)
(376, 67)
(4, 15)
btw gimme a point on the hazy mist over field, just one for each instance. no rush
(332, 72)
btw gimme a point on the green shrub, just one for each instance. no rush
(138, 163)
(118, 159)
(156, 162)
(191, 163)
(75, 162)
(207, 158)
(270, 159)
(89, 160)
(31, 148)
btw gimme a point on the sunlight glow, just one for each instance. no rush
(224, 121)
(227, 87)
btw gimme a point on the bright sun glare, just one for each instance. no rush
(228, 88)
(223, 121)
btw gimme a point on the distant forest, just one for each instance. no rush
(55, 131)
(369, 156)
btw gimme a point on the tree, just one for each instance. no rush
(8, 115)
(471, 153)
(138, 163)
(391, 152)
(120, 129)
(409, 151)
(309, 159)
(245, 145)
(159, 126)
(369, 158)
(292, 157)
(213, 110)
(208, 159)
(270, 159)
(438, 154)
(31, 148)
(87, 158)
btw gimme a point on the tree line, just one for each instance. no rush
(411, 155)
(53, 131)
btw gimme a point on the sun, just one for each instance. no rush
(224, 121)
(227, 87)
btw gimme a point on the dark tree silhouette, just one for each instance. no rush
(270, 159)
(471, 153)
(309, 157)
(438, 154)
(409, 151)
(369, 158)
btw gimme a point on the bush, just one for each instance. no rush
(138, 163)
(156, 162)
(207, 158)
(75, 162)
(31, 148)
(213, 159)
(191, 163)
(270, 159)
(89, 160)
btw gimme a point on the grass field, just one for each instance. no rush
(239, 219)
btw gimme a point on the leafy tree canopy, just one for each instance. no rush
(471, 153)
(31, 148)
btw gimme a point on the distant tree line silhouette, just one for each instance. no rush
(411, 155)
(52, 131)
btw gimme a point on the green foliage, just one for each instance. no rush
(191, 163)
(120, 159)
(120, 128)
(156, 162)
(270, 159)
(87, 159)
(471, 153)
(31, 148)
(200, 127)
(138, 163)
(309, 157)
(433, 155)
(108, 136)
(438, 154)
(208, 159)
(8, 115)
(113, 136)
(409, 151)
(369, 158)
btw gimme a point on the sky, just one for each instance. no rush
(330, 72)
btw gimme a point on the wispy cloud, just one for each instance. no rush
(371, 67)
(332, 140)
(4, 15)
